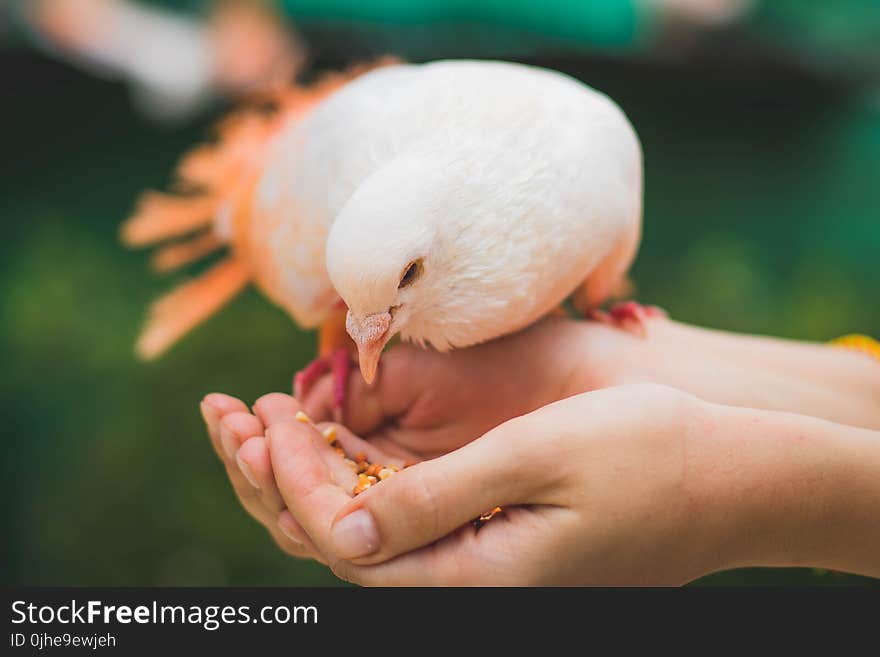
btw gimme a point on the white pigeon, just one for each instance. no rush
(451, 203)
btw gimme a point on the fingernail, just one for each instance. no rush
(289, 534)
(228, 441)
(246, 471)
(355, 535)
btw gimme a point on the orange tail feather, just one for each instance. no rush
(223, 174)
(179, 254)
(162, 216)
(185, 307)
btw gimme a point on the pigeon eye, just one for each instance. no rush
(411, 273)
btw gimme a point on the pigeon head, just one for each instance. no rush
(401, 256)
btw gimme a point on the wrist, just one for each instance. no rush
(793, 491)
(837, 384)
(601, 356)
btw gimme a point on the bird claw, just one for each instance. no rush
(628, 315)
(338, 363)
(341, 367)
(306, 377)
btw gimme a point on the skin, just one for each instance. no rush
(427, 404)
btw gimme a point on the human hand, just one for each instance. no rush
(602, 504)
(426, 403)
(237, 435)
(630, 485)
(423, 405)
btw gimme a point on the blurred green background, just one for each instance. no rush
(761, 215)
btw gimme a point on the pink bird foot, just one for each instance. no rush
(306, 377)
(628, 315)
(340, 368)
(338, 363)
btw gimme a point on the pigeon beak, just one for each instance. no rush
(370, 334)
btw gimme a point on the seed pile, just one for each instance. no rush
(370, 474)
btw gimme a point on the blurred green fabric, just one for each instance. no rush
(828, 35)
(848, 28)
(609, 23)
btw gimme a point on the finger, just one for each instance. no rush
(293, 548)
(213, 407)
(252, 501)
(510, 551)
(279, 408)
(232, 427)
(255, 464)
(290, 543)
(426, 502)
(276, 407)
(342, 472)
(304, 479)
(249, 497)
(235, 429)
(297, 538)
(452, 561)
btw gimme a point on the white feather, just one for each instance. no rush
(513, 182)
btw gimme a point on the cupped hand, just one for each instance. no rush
(598, 488)
(630, 485)
(593, 490)
(237, 436)
(240, 439)
(425, 403)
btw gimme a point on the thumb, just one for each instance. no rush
(429, 500)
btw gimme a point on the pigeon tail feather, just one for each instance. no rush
(210, 208)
